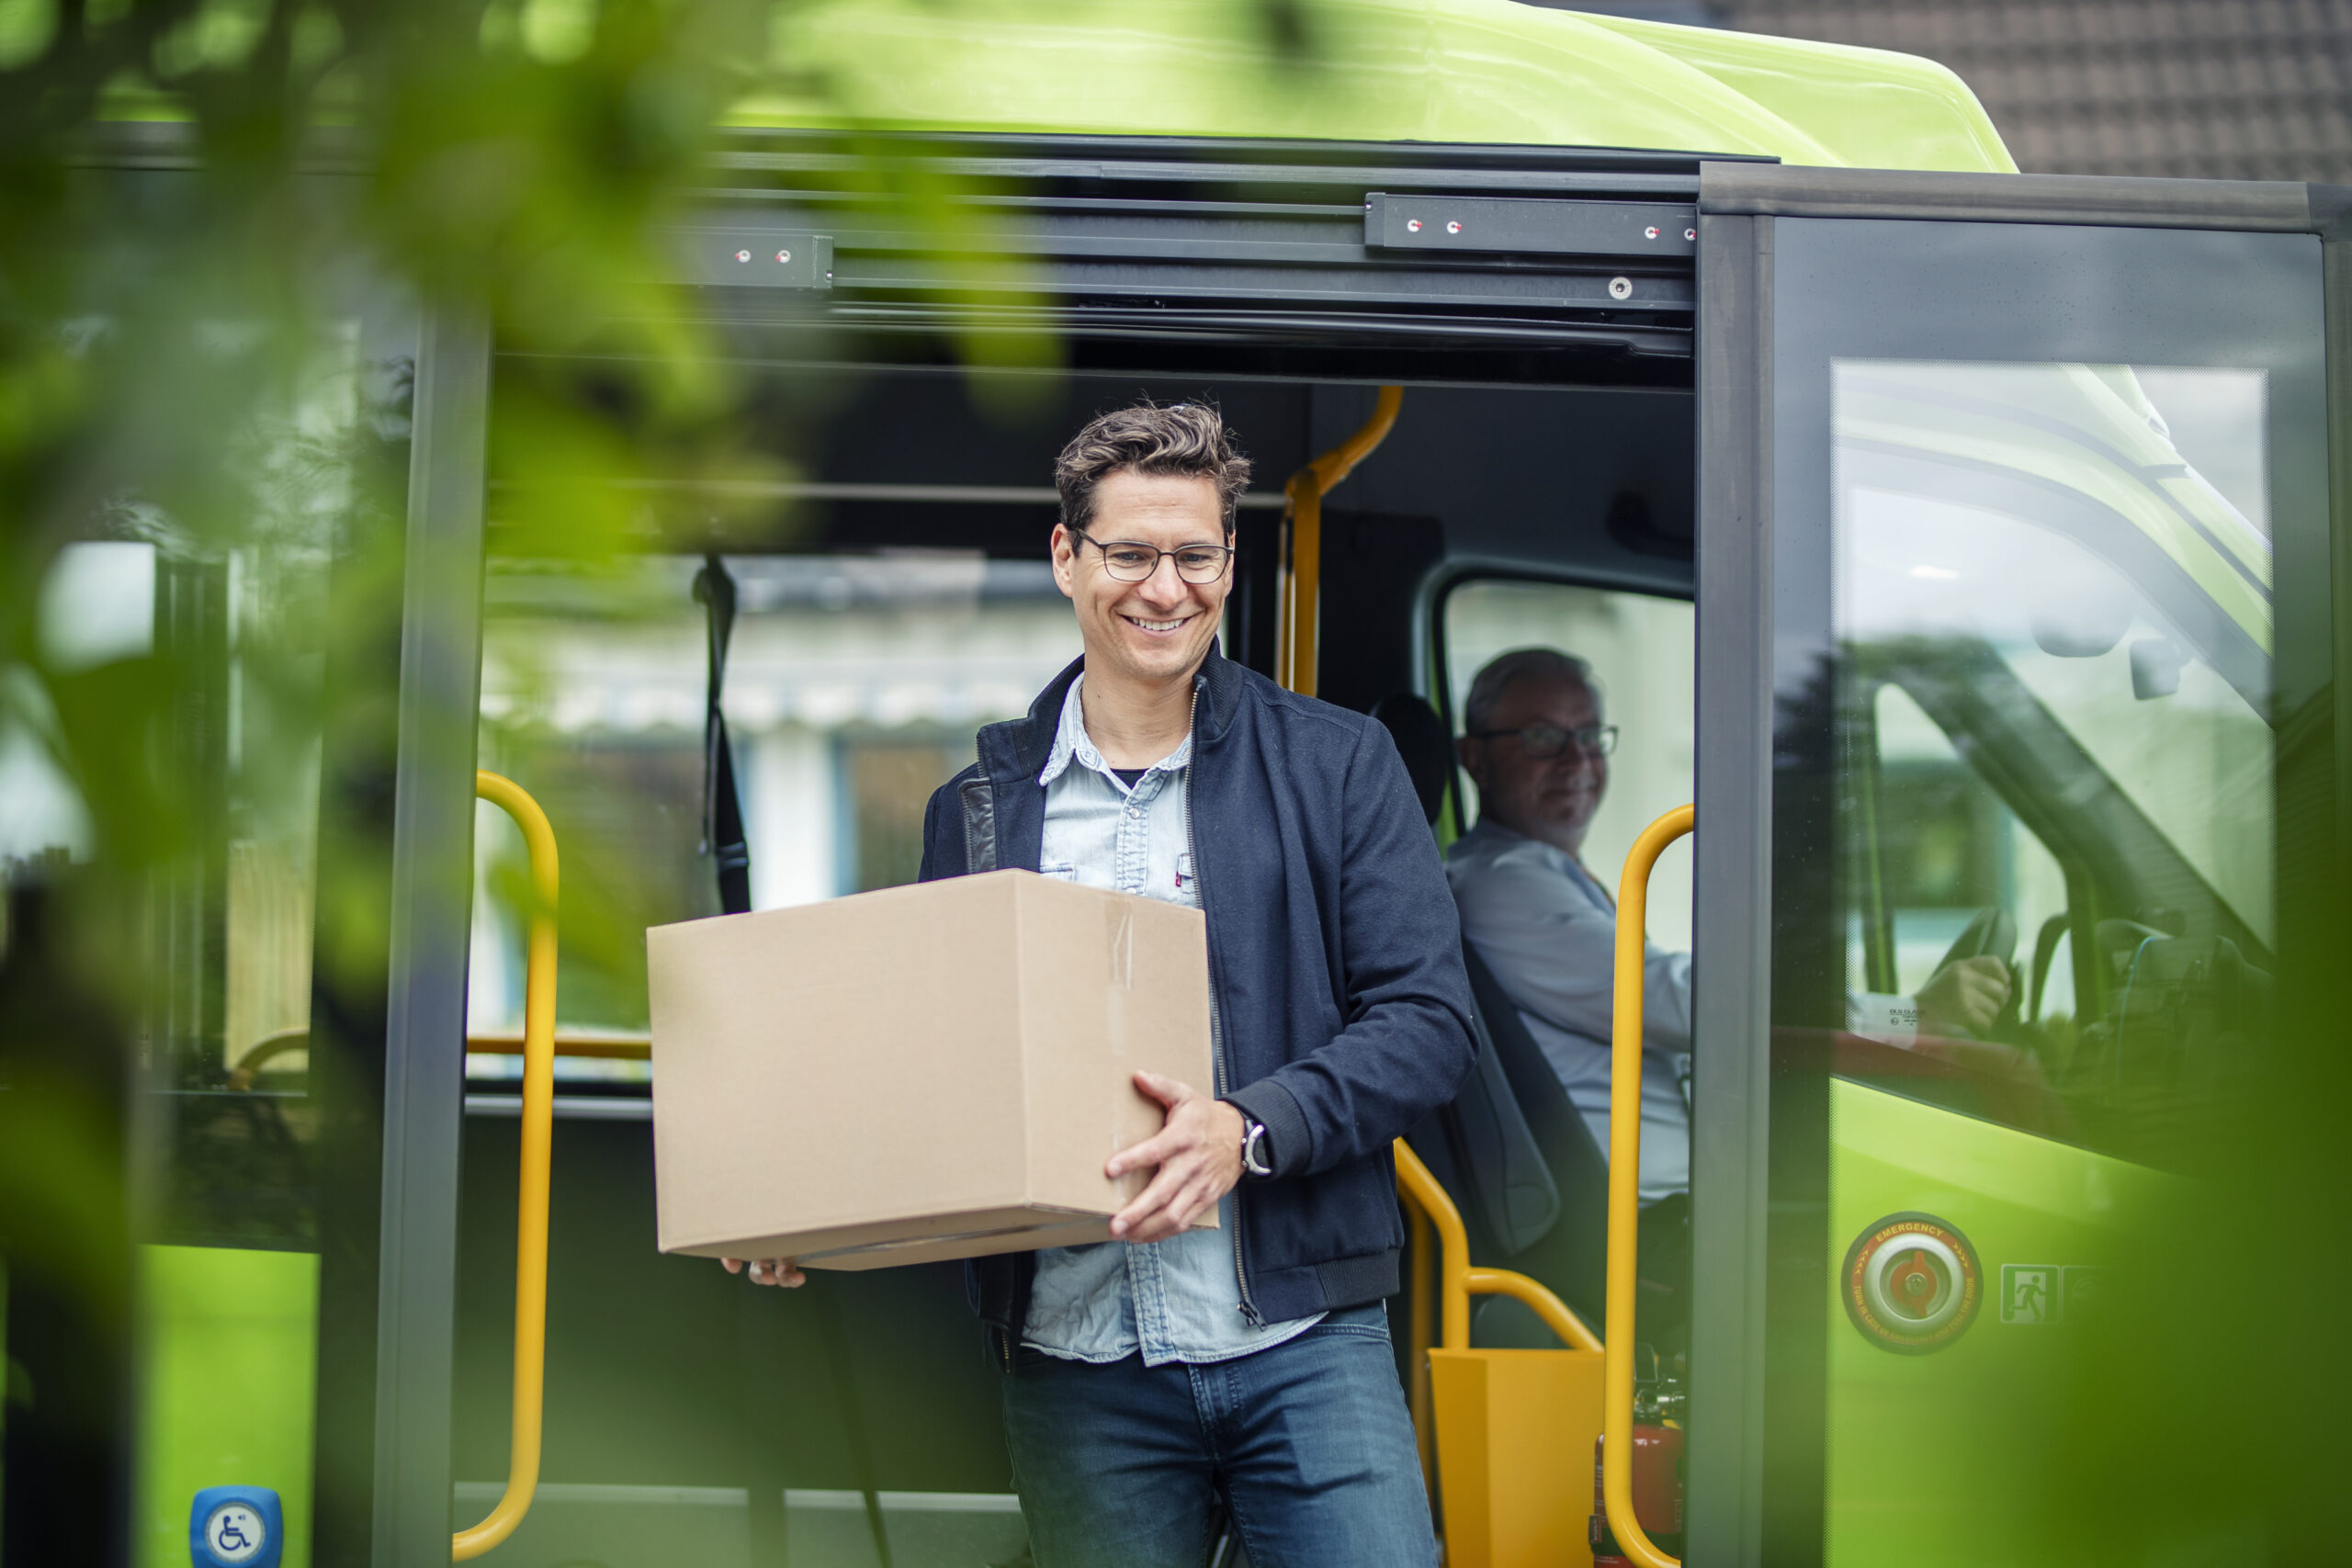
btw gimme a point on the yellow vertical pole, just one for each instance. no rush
(1625, 1193)
(1419, 1315)
(1296, 640)
(538, 1144)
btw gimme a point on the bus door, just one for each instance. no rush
(2015, 789)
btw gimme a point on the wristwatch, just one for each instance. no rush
(1254, 1160)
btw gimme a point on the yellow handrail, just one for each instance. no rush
(1625, 1191)
(601, 1045)
(1458, 1281)
(1420, 1397)
(1295, 636)
(538, 1134)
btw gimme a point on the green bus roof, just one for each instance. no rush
(1434, 71)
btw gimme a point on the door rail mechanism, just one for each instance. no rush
(1624, 1193)
(538, 1134)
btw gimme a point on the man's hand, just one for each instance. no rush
(769, 1272)
(1198, 1151)
(1963, 998)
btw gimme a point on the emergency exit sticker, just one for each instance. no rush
(2039, 1293)
(2030, 1293)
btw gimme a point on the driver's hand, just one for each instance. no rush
(769, 1272)
(1964, 997)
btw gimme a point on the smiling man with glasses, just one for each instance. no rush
(1151, 1380)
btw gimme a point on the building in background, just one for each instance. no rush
(2188, 89)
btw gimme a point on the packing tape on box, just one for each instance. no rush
(1119, 968)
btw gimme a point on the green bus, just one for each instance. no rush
(1959, 541)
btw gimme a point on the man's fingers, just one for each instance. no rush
(1176, 1215)
(1174, 1139)
(1158, 1149)
(734, 1265)
(777, 1271)
(1170, 1092)
(1154, 1198)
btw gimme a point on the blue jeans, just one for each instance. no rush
(1308, 1443)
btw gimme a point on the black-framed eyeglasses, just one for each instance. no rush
(1131, 560)
(1541, 742)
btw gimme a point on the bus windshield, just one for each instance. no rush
(2052, 598)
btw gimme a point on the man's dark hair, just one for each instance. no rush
(1187, 440)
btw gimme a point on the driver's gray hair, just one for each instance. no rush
(1506, 670)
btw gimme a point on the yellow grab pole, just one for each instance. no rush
(1547, 1306)
(1295, 639)
(1418, 1394)
(1452, 1247)
(539, 1136)
(1458, 1281)
(1625, 1191)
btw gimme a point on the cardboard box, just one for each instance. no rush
(927, 1072)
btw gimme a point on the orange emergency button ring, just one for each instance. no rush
(1911, 1284)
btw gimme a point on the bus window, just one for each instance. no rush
(1640, 647)
(853, 686)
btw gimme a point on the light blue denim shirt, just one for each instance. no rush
(1177, 1299)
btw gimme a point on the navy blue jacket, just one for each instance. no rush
(1342, 1010)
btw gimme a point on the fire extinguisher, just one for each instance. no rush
(1657, 1467)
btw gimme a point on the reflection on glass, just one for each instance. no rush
(2052, 599)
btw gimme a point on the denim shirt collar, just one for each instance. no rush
(1070, 743)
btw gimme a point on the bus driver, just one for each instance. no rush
(1147, 1378)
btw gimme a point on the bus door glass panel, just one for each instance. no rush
(214, 630)
(2048, 567)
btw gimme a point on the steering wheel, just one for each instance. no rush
(1992, 934)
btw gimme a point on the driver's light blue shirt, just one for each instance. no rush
(1177, 1299)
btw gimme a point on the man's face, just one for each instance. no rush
(1157, 629)
(1552, 800)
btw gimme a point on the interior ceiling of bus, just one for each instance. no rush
(1591, 483)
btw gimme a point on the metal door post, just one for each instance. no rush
(432, 880)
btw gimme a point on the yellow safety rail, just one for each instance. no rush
(1624, 1192)
(538, 1136)
(1418, 1397)
(1458, 1281)
(1295, 639)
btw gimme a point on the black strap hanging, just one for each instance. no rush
(722, 808)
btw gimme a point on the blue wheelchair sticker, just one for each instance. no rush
(235, 1527)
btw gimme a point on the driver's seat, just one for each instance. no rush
(1512, 1149)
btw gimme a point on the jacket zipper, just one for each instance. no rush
(1216, 1038)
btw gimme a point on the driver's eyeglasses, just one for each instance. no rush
(1130, 561)
(1541, 742)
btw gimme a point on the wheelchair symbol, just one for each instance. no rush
(236, 1533)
